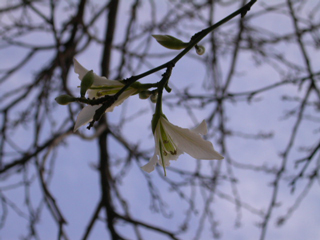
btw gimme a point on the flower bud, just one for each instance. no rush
(154, 97)
(144, 94)
(200, 49)
(170, 42)
(86, 82)
(64, 99)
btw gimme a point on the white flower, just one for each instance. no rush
(101, 86)
(172, 141)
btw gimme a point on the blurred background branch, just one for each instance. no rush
(257, 86)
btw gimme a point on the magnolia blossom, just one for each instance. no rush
(172, 141)
(101, 86)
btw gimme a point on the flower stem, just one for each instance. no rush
(194, 41)
(107, 102)
(161, 85)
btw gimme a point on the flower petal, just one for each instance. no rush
(121, 99)
(87, 113)
(98, 81)
(171, 157)
(191, 142)
(85, 116)
(201, 129)
(78, 68)
(149, 167)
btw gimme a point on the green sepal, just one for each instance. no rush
(162, 160)
(170, 42)
(64, 99)
(167, 141)
(155, 120)
(86, 82)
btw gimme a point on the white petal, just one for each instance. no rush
(85, 116)
(78, 68)
(201, 129)
(92, 93)
(171, 157)
(191, 142)
(166, 158)
(98, 81)
(101, 81)
(121, 99)
(149, 167)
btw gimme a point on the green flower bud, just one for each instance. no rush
(170, 42)
(86, 82)
(144, 94)
(200, 49)
(154, 97)
(64, 99)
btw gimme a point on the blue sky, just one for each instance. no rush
(76, 180)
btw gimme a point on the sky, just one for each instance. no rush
(75, 160)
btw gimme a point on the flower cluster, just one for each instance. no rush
(100, 87)
(170, 140)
